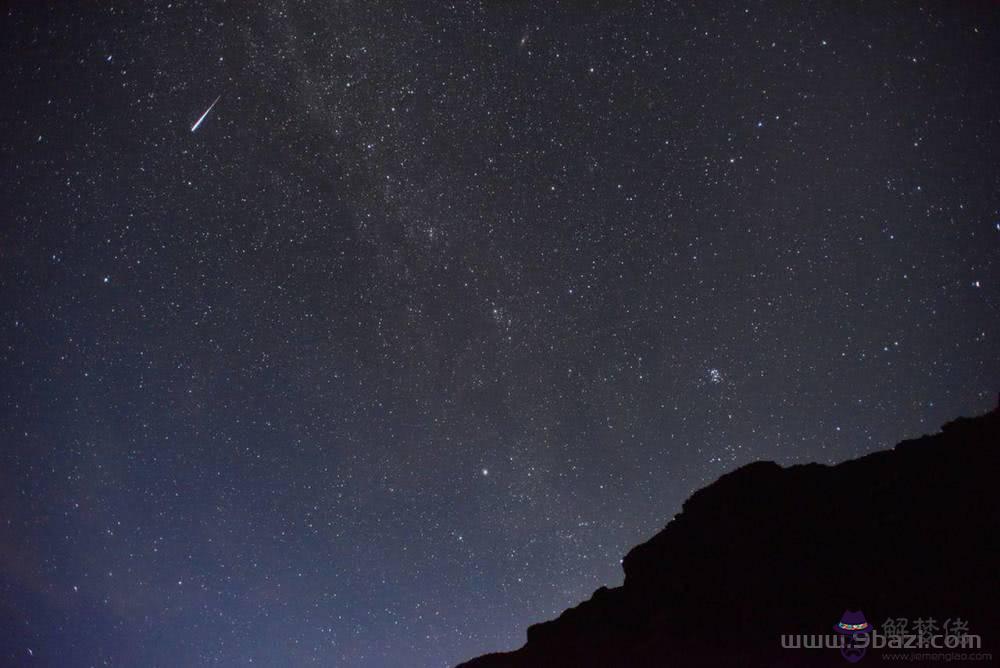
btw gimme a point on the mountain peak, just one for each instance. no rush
(767, 550)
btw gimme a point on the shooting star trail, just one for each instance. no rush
(198, 122)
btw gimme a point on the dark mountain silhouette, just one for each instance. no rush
(909, 532)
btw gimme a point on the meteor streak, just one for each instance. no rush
(198, 122)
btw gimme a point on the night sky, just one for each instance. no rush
(441, 309)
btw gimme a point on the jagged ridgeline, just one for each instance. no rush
(908, 533)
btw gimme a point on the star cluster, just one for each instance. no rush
(442, 308)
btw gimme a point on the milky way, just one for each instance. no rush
(443, 309)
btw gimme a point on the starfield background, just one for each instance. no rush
(368, 333)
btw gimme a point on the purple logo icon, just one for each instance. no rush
(852, 624)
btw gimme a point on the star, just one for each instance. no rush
(419, 255)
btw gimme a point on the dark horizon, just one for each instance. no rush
(885, 558)
(370, 333)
